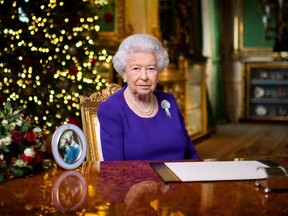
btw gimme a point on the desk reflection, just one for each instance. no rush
(133, 188)
(69, 191)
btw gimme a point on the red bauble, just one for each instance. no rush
(27, 61)
(75, 19)
(93, 61)
(108, 17)
(73, 70)
(71, 102)
(51, 73)
(74, 120)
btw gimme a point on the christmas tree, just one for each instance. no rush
(48, 57)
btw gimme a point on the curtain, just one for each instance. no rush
(211, 49)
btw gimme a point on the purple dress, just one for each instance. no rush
(126, 136)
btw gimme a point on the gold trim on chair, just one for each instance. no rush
(89, 111)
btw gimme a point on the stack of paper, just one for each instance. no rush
(209, 171)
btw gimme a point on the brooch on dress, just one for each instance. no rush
(166, 106)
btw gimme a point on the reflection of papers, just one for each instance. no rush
(215, 171)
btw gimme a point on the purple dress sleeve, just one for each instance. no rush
(111, 128)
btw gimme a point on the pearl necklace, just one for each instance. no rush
(148, 111)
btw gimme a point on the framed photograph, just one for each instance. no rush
(69, 146)
(112, 22)
(249, 33)
(69, 191)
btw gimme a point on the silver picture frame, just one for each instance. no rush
(69, 146)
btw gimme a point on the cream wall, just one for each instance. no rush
(142, 17)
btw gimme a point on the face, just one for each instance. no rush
(68, 139)
(141, 73)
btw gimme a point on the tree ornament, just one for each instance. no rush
(73, 70)
(27, 61)
(93, 61)
(74, 120)
(108, 17)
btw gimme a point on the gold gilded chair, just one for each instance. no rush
(90, 122)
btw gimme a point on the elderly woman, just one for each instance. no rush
(140, 122)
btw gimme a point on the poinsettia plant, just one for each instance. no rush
(21, 144)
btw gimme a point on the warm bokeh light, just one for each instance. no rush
(49, 57)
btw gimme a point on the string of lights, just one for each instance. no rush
(49, 56)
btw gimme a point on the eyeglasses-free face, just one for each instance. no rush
(140, 62)
(148, 69)
(141, 73)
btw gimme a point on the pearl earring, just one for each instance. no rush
(124, 81)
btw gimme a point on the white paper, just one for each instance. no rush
(216, 170)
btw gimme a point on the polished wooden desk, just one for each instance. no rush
(133, 188)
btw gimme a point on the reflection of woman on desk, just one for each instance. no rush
(139, 191)
(73, 149)
(139, 197)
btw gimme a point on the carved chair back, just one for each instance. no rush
(90, 122)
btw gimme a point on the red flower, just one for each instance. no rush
(29, 157)
(16, 136)
(30, 137)
(13, 160)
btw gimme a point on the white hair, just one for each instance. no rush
(140, 43)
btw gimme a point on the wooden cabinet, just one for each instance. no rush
(173, 80)
(266, 91)
(196, 101)
(187, 83)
